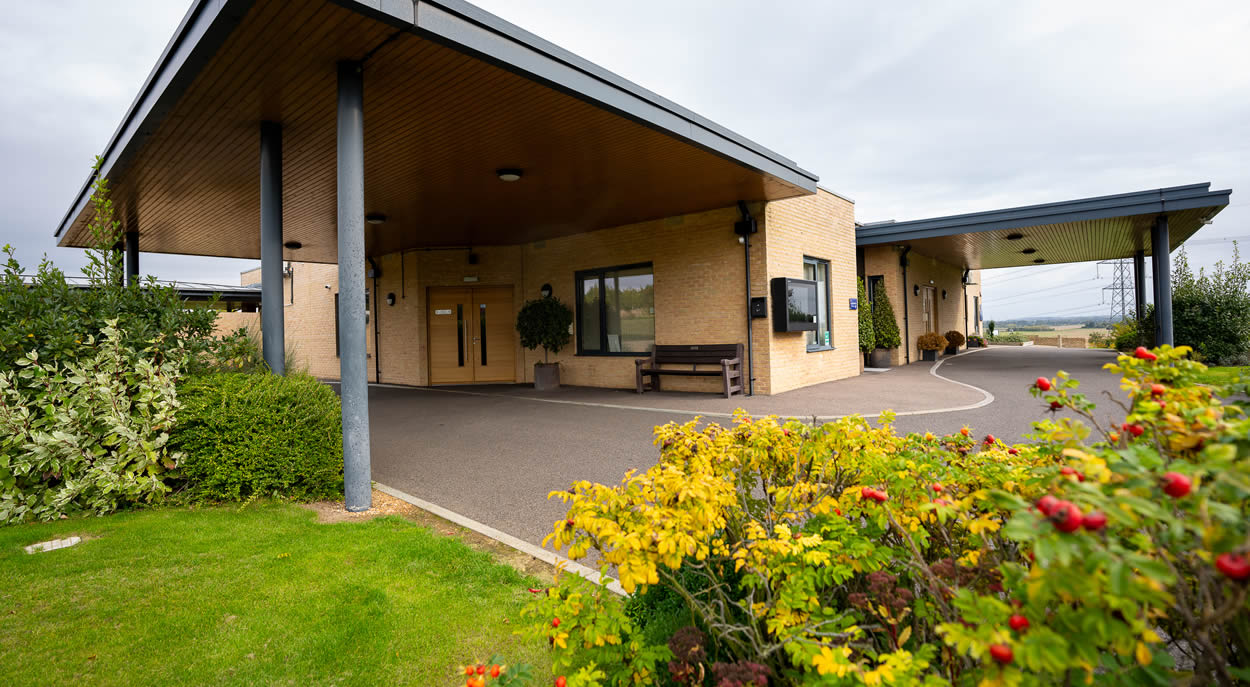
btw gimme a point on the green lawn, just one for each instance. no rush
(1225, 375)
(264, 595)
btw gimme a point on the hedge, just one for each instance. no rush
(253, 435)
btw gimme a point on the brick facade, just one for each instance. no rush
(699, 294)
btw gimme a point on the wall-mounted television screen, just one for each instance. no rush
(794, 305)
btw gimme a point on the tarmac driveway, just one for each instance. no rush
(494, 453)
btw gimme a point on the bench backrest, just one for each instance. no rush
(697, 354)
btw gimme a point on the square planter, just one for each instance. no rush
(880, 357)
(546, 376)
(951, 350)
(928, 356)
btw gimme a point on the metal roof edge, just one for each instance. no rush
(177, 50)
(843, 196)
(1138, 202)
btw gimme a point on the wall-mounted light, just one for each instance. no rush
(915, 290)
(390, 299)
(545, 291)
(509, 174)
(943, 294)
(375, 218)
(293, 245)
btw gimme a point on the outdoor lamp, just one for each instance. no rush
(545, 291)
(915, 290)
(390, 299)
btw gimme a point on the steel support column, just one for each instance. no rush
(132, 257)
(273, 339)
(1161, 257)
(1139, 284)
(353, 370)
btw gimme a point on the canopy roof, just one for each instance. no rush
(1099, 228)
(452, 94)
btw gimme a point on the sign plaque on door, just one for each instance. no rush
(442, 311)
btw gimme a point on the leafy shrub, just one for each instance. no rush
(883, 323)
(847, 554)
(867, 336)
(89, 434)
(1211, 310)
(544, 322)
(1008, 337)
(975, 341)
(931, 341)
(249, 435)
(954, 338)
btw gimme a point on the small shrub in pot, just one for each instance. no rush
(954, 339)
(545, 322)
(930, 344)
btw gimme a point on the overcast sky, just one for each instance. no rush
(913, 110)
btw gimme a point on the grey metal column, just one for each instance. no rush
(132, 257)
(353, 371)
(273, 339)
(1161, 256)
(1139, 284)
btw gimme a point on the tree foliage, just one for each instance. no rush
(848, 554)
(545, 322)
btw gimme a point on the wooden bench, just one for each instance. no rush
(727, 357)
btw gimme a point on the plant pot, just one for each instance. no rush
(881, 357)
(546, 376)
(952, 350)
(928, 356)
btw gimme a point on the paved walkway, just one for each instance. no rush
(493, 453)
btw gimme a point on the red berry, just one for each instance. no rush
(942, 502)
(965, 431)
(561, 682)
(1047, 504)
(1067, 517)
(1144, 354)
(533, 590)
(1233, 566)
(494, 671)
(1013, 451)
(937, 488)
(1176, 485)
(1018, 622)
(1094, 521)
(555, 622)
(481, 670)
(1055, 405)
(568, 523)
(468, 670)
(1135, 429)
(1158, 389)
(1001, 653)
(989, 439)
(1043, 384)
(880, 496)
(1067, 470)
(866, 492)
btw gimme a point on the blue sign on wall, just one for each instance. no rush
(854, 304)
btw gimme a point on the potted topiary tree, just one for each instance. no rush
(954, 339)
(867, 336)
(885, 329)
(929, 344)
(545, 322)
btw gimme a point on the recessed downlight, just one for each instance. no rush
(1015, 236)
(375, 218)
(509, 174)
(1029, 251)
(1039, 261)
(293, 245)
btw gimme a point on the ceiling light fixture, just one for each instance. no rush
(1015, 236)
(1029, 251)
(1039, 261)
(509, 174)
(293, 245)
(375, 218)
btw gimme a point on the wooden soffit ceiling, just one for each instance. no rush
(442, 114)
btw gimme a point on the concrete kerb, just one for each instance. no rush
(611, 583)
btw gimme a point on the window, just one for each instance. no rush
(976, 313)
(875, 282)
(818, 271)
(616, 311)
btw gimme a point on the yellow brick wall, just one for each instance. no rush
(923, 271)
(817, 226)
(698, 265)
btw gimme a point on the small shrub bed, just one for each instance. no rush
(249, 435)
(848, 554)
(931, 341)
(1008, 337)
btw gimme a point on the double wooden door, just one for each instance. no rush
(472, 338)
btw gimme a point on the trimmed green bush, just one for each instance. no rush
(250, 435)
(883, 322)
(545, 322)
(867, 335)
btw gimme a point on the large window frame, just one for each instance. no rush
(828, 284)
(600, 274)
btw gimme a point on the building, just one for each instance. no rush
(452, 165)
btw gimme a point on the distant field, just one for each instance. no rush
(1064, 329)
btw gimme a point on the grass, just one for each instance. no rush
(1224, 375)
(263, 595)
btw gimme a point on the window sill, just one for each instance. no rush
(819, 349)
